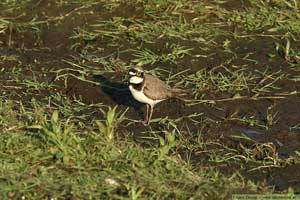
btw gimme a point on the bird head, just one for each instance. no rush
(136, 75)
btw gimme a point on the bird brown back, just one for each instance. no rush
(156, 89)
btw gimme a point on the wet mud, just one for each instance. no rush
(44, 54)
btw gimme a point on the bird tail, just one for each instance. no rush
(176, 92)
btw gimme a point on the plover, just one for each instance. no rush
(150, 90)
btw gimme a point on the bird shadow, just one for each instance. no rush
(118, 92)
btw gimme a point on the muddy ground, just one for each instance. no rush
(36, 55)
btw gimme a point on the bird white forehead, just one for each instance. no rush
(135, 80)
(135, 71)
(132, 73)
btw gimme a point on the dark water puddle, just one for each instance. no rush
(251, 133)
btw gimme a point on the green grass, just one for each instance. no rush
(64, 136)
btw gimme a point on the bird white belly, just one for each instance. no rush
(139, 96)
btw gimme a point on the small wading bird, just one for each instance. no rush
(150, 90)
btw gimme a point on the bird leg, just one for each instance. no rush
(150, 114)
(147, 114)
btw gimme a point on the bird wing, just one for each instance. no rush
(155, 88)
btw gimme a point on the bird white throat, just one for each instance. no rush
(135, 80)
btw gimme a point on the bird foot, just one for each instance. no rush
(146, 122)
